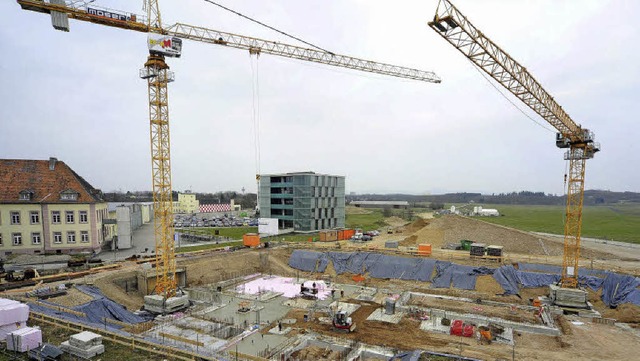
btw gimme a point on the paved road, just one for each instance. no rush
(623, 250)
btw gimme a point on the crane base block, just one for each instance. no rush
(157, 304)
(568, 297)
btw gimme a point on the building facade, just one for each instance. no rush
(304, 201)
(45, 207)
(187, 203)
(128, 217)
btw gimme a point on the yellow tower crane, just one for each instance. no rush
(166, 41)
(454, 27)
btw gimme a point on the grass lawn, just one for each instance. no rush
(369, 221)
(619, 222)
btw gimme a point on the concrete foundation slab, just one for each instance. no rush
(348, 308)
(380, 315)
(277, 331)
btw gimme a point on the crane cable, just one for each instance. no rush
(475, 66)
(266, 26)
(255, 93)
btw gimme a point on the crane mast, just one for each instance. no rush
(455, 28)
(157, 73)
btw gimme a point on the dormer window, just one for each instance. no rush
(26, 195)
(69, 195)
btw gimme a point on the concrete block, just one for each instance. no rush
(157, 303)
(85, 339)
(83, 353)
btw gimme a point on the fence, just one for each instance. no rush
(127, 340)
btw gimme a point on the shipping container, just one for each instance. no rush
(348, 233)
(251, 240)
(328, 235)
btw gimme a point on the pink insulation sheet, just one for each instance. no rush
(287, 286)
(24, 339)
(6, 329)
(13, 312)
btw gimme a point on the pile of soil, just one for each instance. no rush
(71, 299)
(315, 353)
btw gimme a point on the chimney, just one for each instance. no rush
(52, 163)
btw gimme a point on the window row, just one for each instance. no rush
(15, 217)
(36, 238)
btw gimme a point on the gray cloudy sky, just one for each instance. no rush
(77, 96)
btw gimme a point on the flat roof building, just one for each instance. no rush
(303, 201)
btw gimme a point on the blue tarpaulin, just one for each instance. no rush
(616, 289)
(507, 277)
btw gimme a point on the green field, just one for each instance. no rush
(618, 222)
(370, 221)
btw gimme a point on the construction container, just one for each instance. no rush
(389, 306)
(251, 240)
(494, 251)
(391, 244)
(466, 244)
(328, 235)
(477, 249)
(340, 234)
(348, 233)
(424, 249)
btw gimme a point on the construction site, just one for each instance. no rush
(433, 287)
(283, 302)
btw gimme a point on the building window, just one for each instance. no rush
(68, 196)
(0, 239)
(35, 217)
(15, 217)
(17, 239)
(25, 196)
(55, 217)
(69, 216)
(57, 237)
(84, 237)
(83, 216)
(35, 238)
(71, 237)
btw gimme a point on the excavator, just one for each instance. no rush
(342, 322)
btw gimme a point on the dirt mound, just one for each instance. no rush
(316, 353)
(417, 225)
(409, 241)
(487, 284)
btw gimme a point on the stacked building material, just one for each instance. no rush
(477, 249)
(495, 251)
(391, 244)
(84, 344)
(24, 339)
(13, 316)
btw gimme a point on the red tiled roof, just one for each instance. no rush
(17, 175)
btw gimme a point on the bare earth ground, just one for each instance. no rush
(580, 342)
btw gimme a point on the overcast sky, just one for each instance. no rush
(77, 96)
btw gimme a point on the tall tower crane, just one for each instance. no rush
(454, 27)
(167, 42)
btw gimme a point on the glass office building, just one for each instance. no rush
(304, 201)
